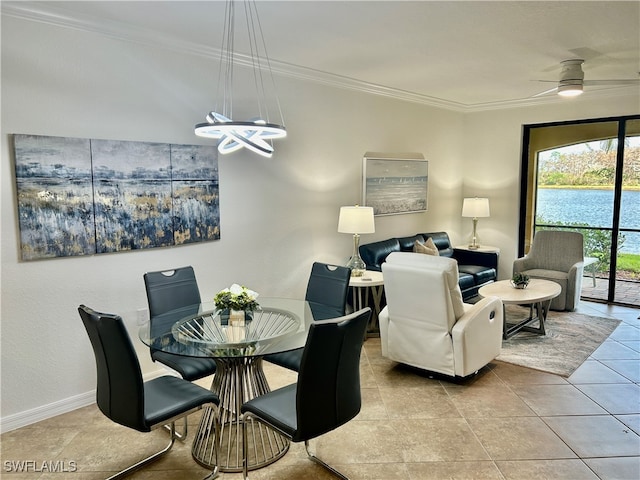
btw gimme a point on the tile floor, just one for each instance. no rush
(508, 422)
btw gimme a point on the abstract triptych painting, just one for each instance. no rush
(82, 197)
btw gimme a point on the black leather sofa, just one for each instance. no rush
(475, 268)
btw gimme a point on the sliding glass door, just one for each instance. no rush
(627, 260)
(585, 176)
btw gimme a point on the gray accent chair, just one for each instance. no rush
(558, 256)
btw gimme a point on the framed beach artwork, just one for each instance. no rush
(82, 197)
(395, 183)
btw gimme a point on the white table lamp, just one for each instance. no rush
(475, 208)
(356, 220)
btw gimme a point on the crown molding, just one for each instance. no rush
(55, 16)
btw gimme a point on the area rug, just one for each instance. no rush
(571, 337)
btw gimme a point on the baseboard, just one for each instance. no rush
(44, 412)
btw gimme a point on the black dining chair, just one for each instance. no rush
(327, 393)
(121, 394)
(327, 291)
(168, 291)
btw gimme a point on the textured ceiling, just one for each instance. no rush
(462, 55)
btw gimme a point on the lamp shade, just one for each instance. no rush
(356, 219)
(475, 207)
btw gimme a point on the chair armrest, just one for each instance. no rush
(469, 257)
(577, 269)
(477, 336)
(520, 264)
(574, 285)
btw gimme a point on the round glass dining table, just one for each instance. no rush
(237, 345)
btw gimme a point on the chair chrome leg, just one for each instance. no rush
(213, 474)
(216, 438)
(149, 459)
(245, 461)
(180, 436)
(313, 457)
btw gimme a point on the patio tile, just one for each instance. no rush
(522, 438)
(627, 468)
(440, 439)
(628, 368)
(631, 421)
(593, 371)
(615, 399)
(613, 350)
(546, 469)
(557, 400)
(595, 435)
(625, 332)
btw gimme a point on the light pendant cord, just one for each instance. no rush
(256, 134)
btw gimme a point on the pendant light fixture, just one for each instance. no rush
(255, 134)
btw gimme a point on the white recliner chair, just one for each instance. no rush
(425, 323)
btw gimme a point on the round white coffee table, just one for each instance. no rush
(537, 295)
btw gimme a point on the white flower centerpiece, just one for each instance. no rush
(236, 302)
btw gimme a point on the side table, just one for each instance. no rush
(591, 262)
(372, 282)
(481, 248)
(487, 255)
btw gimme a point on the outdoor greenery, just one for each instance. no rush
(630, 263)
(594, 167)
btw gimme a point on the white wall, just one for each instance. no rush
(277, 215)
(493, 146)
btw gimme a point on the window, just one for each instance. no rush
(585, 176)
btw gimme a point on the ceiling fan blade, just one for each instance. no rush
(613, 82)
(571, 81)
(546, 92)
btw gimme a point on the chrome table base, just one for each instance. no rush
(237, 380)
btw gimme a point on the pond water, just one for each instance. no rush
(593, 207)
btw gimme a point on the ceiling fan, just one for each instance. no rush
(572, 80)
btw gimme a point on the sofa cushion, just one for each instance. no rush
(429, 244)
(480, 274)
(561, 278)
(547, 274)
(407, 243)
(441, 241)
(374, 254)
(466, 281)
(427, 248)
